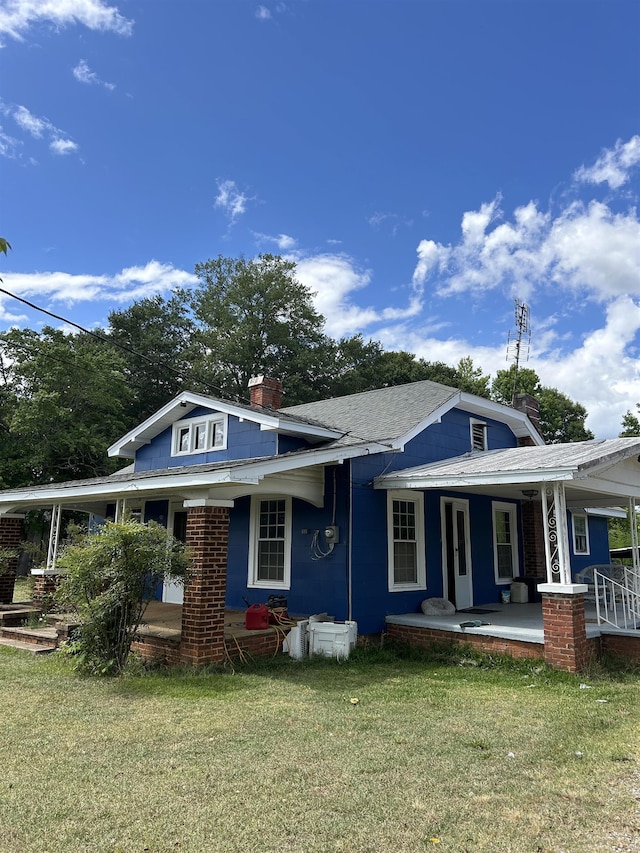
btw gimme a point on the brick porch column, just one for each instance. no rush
(10, 538)
(565, 632)
(204, 595)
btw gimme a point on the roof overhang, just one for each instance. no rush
(187, 402)
(602, 475)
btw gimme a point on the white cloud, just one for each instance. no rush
(84, 74)
(284, 242)
(130, 283)
(38, 128)
(613, 166)
(231, 200)
(9, 145)
(63, 146)
(17, 17)
(262, 13)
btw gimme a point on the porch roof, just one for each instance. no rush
(593, 472)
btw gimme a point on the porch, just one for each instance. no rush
(511, 629)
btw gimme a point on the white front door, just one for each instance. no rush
(456, 553)
(172, 592)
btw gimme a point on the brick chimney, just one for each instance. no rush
(265, 393)
(528, 404)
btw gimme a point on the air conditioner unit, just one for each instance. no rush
(332, 639)
(298, 640)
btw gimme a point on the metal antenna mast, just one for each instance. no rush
(519, 341)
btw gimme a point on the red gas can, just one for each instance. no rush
(256, 617)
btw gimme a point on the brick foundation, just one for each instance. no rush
(565, 634)
(621, 645)
(425, 637)
(10, 538)
(204, 595)
(167, 650)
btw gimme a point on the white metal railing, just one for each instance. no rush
(618, 601)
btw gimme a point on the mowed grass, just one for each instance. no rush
(455, 755)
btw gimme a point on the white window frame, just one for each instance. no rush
(512, 509)
(474, 425)
(421, 564)
(192, 428)
(587, 549)
(254, 533)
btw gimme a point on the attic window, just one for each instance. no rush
(478, 435)
(198, 435)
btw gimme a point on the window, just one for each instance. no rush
(197, 435)
(270, 543)
(405, 536)
(478, 434)
(505, 542)
(580, 534)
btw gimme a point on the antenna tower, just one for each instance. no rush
(519, 341)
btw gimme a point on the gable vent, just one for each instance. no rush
(478, 435)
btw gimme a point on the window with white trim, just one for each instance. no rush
(270, 543)
(478, 430)
(505, 541)
(580, 527)
(406, 542)
(198, 435)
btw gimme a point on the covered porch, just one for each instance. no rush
(548, 482)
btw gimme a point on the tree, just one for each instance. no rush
(63, 399)
(108, 576)
(157, 361)
(471, 379)
(561, 419)
(254, 317)
(630, 424)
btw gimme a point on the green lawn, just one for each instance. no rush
(454, 756)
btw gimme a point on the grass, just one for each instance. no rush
(459, 754)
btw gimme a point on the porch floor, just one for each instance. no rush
(165, 620)
(513, 621)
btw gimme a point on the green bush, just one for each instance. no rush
(109, 578)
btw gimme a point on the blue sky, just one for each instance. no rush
(424, 162)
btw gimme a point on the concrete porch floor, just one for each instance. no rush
(165, 620)
(513, 621)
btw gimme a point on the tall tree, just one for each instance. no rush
(561, 419)
(155, 335)
(252, 317)
(65, 400)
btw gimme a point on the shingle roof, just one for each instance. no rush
(378, 415)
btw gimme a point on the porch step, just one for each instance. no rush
(33, 639)
(33, 648)
(12, 615)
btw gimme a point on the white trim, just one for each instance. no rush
(512, 510)
(416, 498)
(587, 550)
(206, 502)
(563, 588)
(189, 426)
(254, 530)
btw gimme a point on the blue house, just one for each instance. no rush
(361, 506)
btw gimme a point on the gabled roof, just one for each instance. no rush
(605, 466)
(188, 401)
(397, 413)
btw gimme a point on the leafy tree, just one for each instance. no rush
(108, 577)
(252, 317)
(561, 419)
(471, 379)
(156, 333)
(62, 402)
(630, 424)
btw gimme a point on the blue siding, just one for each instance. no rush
(598, 544)
(316, 585)
(245, 440)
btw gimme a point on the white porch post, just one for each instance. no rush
(556, 534)
(54, 537)
(633, 522)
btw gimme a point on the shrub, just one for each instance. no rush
(109, 577)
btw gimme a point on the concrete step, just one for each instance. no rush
(16, 614)
(33, 648)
